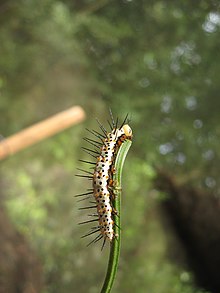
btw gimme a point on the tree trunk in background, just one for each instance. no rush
(20, 270)
(195, 216)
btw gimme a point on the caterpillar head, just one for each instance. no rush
(127, 131)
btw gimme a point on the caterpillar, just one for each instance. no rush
(102, 189)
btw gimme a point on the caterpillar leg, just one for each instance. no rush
(114, 188)
(114, 212)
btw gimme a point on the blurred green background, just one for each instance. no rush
(159, 61)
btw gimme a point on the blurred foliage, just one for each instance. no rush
(158, 61)
(161, 61)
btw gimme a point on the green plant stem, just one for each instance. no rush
(116, 243)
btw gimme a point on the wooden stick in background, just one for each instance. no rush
(40, 131)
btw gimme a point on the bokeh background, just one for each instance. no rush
(159, 61)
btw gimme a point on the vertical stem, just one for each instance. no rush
(116, 243)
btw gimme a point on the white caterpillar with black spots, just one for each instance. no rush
(101, 178)
(102, 189)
